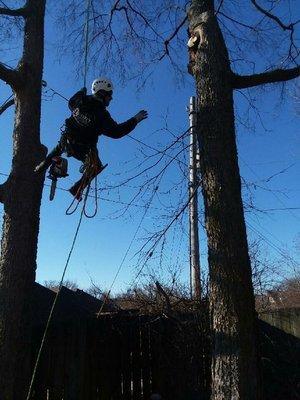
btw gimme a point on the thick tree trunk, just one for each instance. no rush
(21, 197)
(233, 319)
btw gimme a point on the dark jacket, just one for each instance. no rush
(90, 119)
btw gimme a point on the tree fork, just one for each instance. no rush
(234, 366)
(18, 12)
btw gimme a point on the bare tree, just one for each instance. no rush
(157, 298)
(287, 293)
(21, 197)
(235, 368)
(54, 285)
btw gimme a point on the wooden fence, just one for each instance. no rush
(120, 358)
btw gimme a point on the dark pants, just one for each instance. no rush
(84, 152)
(80, 151)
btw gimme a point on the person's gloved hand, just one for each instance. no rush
(141, 115)
(83, 90)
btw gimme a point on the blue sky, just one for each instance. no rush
(271, 149)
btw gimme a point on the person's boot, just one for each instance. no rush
(77, 189)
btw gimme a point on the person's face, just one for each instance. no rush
(107, 98)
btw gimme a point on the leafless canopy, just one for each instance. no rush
(127, 37)
(130, 37)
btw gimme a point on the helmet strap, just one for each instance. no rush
(99, 95)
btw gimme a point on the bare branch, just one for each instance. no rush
(236, 22)
(127, 18)
(159, 235)
(166, 297)
(9, 76)
(273, 17)
(6, 105)
(147, 23)
(167, 41)
(290, 27)
(277, 75)
(2, 192)
(112, 12)
(219, 8)
(19, 12)
(163, 154)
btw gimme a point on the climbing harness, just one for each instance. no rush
(58, 169)
(89, 169)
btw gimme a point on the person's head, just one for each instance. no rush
(102, 88)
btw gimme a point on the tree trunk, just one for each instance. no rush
(233, 319)
(21, 196)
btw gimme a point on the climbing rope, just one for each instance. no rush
(93, 170)
(77, 198)
(54, 304)
(63, 276)
(90, 172)
(96, 202)
(86, 48)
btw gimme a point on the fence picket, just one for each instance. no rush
(115, 357)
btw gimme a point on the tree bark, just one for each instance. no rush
(18, 12)
(21, 197)
(277, 75)
(233, 320)
(9, 76)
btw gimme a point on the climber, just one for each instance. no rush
(88, 121)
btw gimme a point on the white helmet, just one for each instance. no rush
(102, 84)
